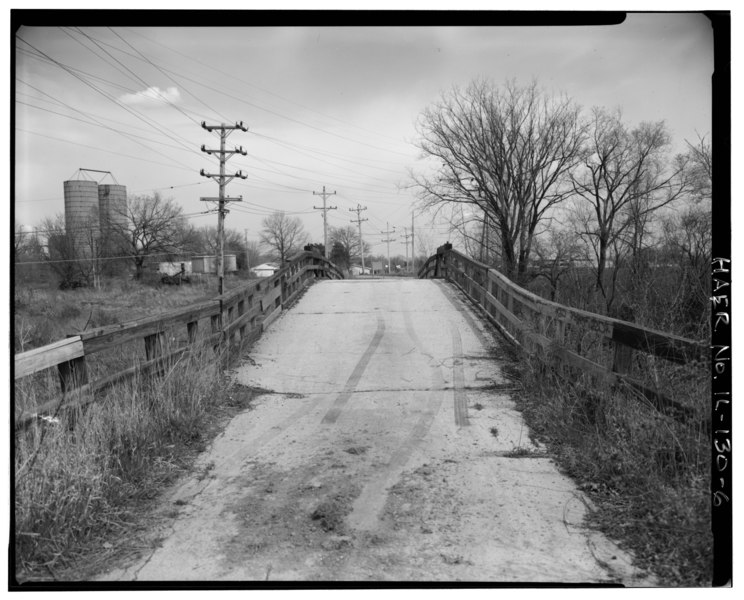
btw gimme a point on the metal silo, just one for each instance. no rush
(81, 214)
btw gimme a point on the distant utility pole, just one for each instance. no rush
(325, 213)
(413, 252)
(247, 255)
(223, 180)
(388, 240)
(406, 237)
(359, 221)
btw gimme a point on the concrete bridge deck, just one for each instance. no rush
(383, 450)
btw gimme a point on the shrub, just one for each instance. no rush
(648, 474)
(76, 474)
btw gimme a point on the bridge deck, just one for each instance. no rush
(383, 450)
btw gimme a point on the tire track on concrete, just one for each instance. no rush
(371, 501)
(458, 379)
(333, 413)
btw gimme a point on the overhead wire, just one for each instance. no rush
(380, 190)
(232, 75)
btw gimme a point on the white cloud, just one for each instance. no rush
(153, 95)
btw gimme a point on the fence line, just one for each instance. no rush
(602, 346)
(240, 314)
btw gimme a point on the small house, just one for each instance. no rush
(264, 270)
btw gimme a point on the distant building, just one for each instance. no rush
(208, 264)
(265, 270)
(356, 270)
(171, 268)
(377, 267)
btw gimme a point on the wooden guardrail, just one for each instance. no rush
(240, 314)
(601, 346)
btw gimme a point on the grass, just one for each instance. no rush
(44, 314)
(80, 481)
(81, 475)
(647, 474)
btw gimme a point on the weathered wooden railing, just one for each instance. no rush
(240, 314)
(604, 347)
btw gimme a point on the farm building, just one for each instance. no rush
(265, 270)
(208, 264)
(171, 268)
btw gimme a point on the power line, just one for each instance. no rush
(232, 76)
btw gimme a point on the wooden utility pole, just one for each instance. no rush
(222, 179)
(325, 210)
(388, 240)
(247, 255)
(406, 237)
(358, 221)
(413, 251)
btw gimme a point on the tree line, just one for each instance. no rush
(537, 187)
(153, 229)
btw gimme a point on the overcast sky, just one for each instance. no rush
(325, 106)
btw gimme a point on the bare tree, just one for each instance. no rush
(155, 225)
(19, 240)
(506, 150)
(206, 239)
(73, 255)
(348, 238)
(556, 256)
(700, 169)
(625, 177)
(283, 235)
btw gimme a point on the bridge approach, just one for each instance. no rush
(384, 446)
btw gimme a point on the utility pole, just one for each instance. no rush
(247, 255)
(413, 251)
(406, 237)
(358, 221)
(325, 210)
(223, 180)
(388, 240)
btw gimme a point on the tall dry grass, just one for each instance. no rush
(77, 474)
(648, 474)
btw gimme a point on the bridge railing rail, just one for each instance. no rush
(609, 349)
(149, 344)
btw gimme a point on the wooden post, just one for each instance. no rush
(154, 345)
(216, 326)
(193, 329)
(623, 359)
(72, 374)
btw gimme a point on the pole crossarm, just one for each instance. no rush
(222, 126)
(325, 210)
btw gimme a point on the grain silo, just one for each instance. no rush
(81, 214)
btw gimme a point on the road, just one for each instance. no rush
(386, 448)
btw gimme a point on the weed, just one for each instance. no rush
(75, 481)
(494, 431)
(647, 473)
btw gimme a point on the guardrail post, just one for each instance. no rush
(72, 374)
(622, 361)
(216, 326)
(241, 311)
(192, 329)
(154, 345)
